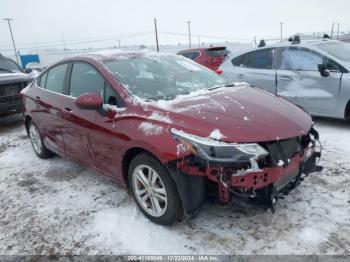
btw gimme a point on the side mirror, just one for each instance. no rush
(323, 71)
(28, 70)
(89, 101)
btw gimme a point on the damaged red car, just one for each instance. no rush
(170, 130)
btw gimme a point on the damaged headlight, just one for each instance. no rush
(214, 150)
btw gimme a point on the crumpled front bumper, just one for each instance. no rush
(264, 185)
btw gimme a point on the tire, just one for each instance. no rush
(155, 192)
(37, 141)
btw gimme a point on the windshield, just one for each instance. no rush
(7, 65)
(338, 49)
(162, 77)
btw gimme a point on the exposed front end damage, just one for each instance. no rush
(249, 178)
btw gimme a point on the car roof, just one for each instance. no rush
(303, 43)
(120, 54)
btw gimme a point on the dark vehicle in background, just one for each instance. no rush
(211, 57)
(12, 80)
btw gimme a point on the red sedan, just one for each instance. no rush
(170, 130)
(211, 57)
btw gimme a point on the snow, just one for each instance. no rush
(193, 97)
(150, 129)
(216, 134)
(55, 206)
(280, 163)
(160, 117)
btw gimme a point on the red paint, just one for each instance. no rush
(101, 138)
(89, 101)
(206, 59)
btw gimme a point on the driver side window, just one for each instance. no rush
(85, 79)
(300, 59)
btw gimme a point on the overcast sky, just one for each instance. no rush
(41, 21)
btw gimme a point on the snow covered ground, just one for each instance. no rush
(56, 206)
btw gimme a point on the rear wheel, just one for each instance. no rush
(37, 142)
(154, 190)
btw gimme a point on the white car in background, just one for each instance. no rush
(312, 74)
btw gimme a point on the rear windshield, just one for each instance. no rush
(340, 50)
(218, 52)
(162, 77)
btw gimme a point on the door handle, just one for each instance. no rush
(37, 97)
(285, 78)
(240, 75)
(68, 109)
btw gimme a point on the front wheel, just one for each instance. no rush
(37, 142)
(154, 190)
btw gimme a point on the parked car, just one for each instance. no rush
(35, 67)
(211, 57)
(12, 80)
(313, 74)
(170, 130)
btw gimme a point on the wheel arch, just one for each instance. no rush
(129, 155)
(347, 111)
(27, 120)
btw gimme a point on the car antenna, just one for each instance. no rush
(296, 40)
(262, 43)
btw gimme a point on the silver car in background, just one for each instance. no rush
(313, 74)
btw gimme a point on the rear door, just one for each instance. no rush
(256, 68)
(48, 99)
(299, 80)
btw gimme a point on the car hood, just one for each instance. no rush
(237, 114)
(6, 78)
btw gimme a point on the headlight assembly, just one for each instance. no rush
(214, 150)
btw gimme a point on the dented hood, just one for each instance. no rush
(240, 113)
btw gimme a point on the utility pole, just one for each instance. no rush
(189, 32)
(332, 30)
(338, 31)
(119, 43)
(156, 32)
(255, 43)
(63, 42)
(13, 41)
(281, 31)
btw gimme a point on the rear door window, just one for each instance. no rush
(85, 79)
(56, 78)
(238, 60)
(260, 59)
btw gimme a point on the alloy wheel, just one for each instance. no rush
(35, 139)
(149, 190)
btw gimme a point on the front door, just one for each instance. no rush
(299, 80)
(78, 122)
